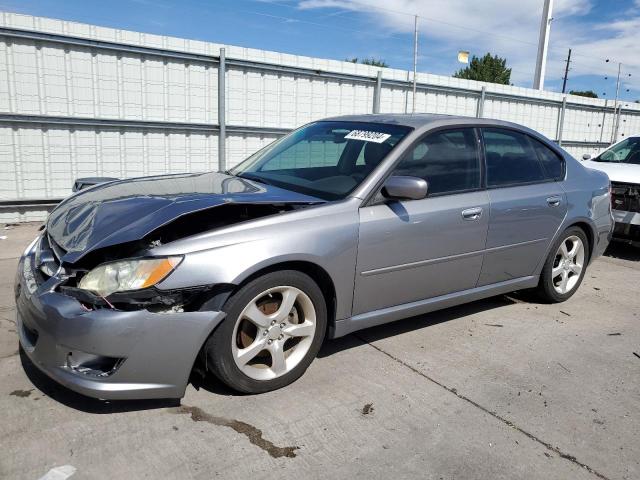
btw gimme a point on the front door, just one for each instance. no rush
(418, 249)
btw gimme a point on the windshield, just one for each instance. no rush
(627, 151)
(324, 159)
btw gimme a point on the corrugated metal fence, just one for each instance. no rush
(82, 100)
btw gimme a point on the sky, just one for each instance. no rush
(595, 30)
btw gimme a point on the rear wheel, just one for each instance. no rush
(565, 267)
(274, 328)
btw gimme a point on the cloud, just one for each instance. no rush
(508, 28)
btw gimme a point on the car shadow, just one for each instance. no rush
(212, 385)
(74, 400)
(623, 251)
(416, 323)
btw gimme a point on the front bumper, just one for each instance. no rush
(104, 353)
(627, 218)
(627, 226)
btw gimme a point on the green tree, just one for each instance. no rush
(584, 93)
(489, 68)
(368, 61)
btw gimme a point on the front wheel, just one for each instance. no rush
(274, 328)
(565, 267)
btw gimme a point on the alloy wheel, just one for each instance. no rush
(568, 265)
(273, 333)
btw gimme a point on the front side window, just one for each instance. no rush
(324, 159)
(448, 160)
(627, 151)
(511, 159)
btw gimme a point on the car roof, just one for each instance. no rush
(420, 120)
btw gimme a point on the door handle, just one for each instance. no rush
(554, 201)
(472, 213)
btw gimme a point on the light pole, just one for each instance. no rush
(543, 45)
(415, 60)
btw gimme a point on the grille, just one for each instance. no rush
(625, 196)
(48, 256)
(30, 335)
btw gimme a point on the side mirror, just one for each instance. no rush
(405, 188)
(82, 183)
(586, 156)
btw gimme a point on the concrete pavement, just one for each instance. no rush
(500, 388)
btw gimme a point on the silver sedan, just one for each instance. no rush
(346, 223)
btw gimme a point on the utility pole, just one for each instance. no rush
(543, 45)
(566, 72)
(415, 60)
(615, 102)
(616, 118)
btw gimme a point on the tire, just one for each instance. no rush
(262, 344)
(553, 288)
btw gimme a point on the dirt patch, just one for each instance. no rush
(367, 409)
(21, 393)
(252, 433)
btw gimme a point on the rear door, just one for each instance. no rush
(418, 249)
(527, 203)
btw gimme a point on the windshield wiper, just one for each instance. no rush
(254, 178)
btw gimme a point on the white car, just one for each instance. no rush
(621, 162)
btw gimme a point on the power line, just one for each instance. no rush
(346, 9)
(601, 69)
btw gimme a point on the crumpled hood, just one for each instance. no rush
(617, 172)
(127, 210)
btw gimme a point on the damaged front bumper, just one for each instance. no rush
(627, 226)
(625, 202)
(107, 353)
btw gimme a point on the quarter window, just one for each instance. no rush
(448, 160)
(511, 159)
(553, 165)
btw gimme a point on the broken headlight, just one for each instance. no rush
(128, 275)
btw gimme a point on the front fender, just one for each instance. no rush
(331, 244)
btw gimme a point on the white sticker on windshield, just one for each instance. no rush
(367, 136)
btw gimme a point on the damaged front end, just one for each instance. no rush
(120, 349)
(625, 203)
(126, 220)
(50, 259)
(91, 313)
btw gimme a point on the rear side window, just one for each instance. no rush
(448, 160)
(553, 165)
(511, 159)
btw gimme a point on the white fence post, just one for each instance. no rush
(377, 92)
(561, 121)
(480, 108)
(222, 124)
